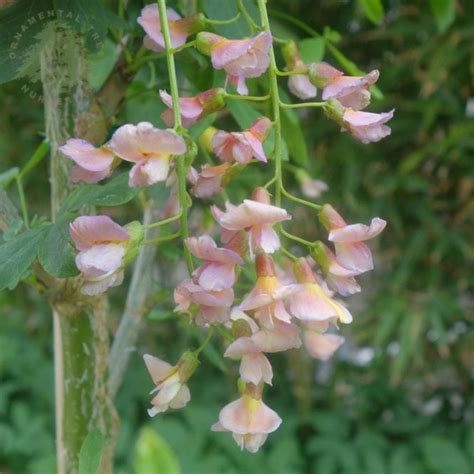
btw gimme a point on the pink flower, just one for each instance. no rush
(242, 146)
(150, 148)
(322, 74)
(255, 216)
(240, 59)
(310, 302)
(192, 109)
(254, 366)
(170, 384)
(102, 245)
(214, 306)
(322, 346)
(300, 85)
(266, 298)
(180, 28)
(351, 252)
(313, 188)
(366, 126)
(218, 270)
(338, 277)
(249, 420)
(351, 91)
(208, 182)
(91, 164)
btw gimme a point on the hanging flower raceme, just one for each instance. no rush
(104, 248)
(256, 216)
(242, 146)
(91, 164)
(309, 301)
(171, 389)
(180, 28)
(248, 419)
(218, 270)
(150, 148)
(298, 84)
(351, 252)
(193, 109)
(213, 306)
(241, 59)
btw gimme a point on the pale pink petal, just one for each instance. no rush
(226, 51)
(124, 143)
(322, 346)
(281, 313)
(205, 248)
(269, 240)
(358, 232)
(157, 368)
(81, 175)
(97, 287)
(280, 338)
(182, 398)
(213, 315)
(355, 256)
(241, 346)
(152, 140)
(256, 368)
(87, 231)
(100, 260)
(256, 145)
(87, 156)
(365, 126)
(300, 86)
(216, 276)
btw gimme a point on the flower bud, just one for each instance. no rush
(137, 233)
(205, 140)
(205, 41)
(303, 272)
(321, 74)
(291, 55)
(264, 265)
(261, 195)
(187, 365)
(319, 254)
(334, 110)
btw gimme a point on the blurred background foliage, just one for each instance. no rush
(398, 397)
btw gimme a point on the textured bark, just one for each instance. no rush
(80, 328)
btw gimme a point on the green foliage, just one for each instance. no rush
(444, 12)
(373, 10)
(91, 452)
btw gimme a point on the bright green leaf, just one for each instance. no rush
(444, 12)
(17, 255)
(91, 452)
(312, 49)
(8, 176)
(56, 253)
(153, 455)
(443, 456)
(373, 10)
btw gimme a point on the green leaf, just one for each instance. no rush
(312, 49)
(444, 12)
(8, 176)
(153, 455)
(91, 452)
(56, 253)
(17, 255)
(293, 134)
(373, 10)
(37, 156)
(101, 64)
(442, 456)
(114, 193)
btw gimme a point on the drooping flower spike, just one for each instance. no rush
(102, 245)
(241, 147)
(351, 252)
(241, 59)
(91, 164)
(256, 216)
(180, 28)
(193, 109)
(150, 148)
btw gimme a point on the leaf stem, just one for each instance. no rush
(301, 241)
(24, 208)
(211, 21)
(163, 222)
(299, 200)
(165, 238)
(204, 343)
(250, 21)
(180, 163)
(248, 97)
(295, 72)
(189, 44)
(302, 105)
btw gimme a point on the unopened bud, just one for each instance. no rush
(322, 74)
(187, 365)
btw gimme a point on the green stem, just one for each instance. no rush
(189, 44)
(180, 163)
(24, 208)
(301, 241)
(250, 21)
(302, 105)
(275, 98)
(299, 200)
(292, 72)
(223, 22)
(251, 98)
(210, 333)
(165, 238)
(163, 222)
